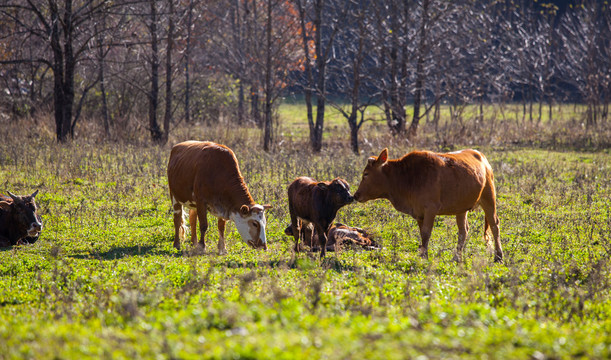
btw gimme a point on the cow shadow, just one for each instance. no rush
(121, 252)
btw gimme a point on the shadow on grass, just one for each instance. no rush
(301, 263)
(127, 251)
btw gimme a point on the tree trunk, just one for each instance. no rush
(63, 71)
(354, 132)
(156, 134)
(395, 114)
(550, 103)
(308, 70)
(187, 61)
(322, 77)
(101, 79)
(321, 63)
(268, 80)
(254, 101)
(420, 75)
(240, 102)
(167, 119)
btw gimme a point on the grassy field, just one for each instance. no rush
(104, 281)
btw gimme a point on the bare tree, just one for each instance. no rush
(585, 35)
(349, 70)
(327, 18)
(393, 41)
(60, 28)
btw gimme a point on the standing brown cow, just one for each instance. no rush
(425, 184)
(205, 176)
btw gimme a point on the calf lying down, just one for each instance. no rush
(339, 235)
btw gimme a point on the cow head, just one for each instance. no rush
(372, 183)
(338, 192)
(22, 211)
(250, 222)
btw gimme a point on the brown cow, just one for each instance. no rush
(316, 202)
(338, 235)
(425, 184)
(205, 176)
(19, 220)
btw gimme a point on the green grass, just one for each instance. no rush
(104, 281)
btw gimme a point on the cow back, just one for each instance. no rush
(208, 171)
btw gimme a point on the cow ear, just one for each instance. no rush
(5, 206)
(267, 206)
(244, 210)
(321, 185)
(383, 157)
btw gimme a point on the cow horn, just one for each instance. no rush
(34, 194)
(13, 196)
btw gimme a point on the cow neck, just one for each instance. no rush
(240, 195)
(394, 172)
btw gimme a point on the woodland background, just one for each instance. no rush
(118, 70)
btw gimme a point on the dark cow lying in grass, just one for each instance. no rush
(19, 220)
(316, 202)
(339, 235)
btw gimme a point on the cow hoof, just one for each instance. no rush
(456, 258)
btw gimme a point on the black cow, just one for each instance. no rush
(316, 202)
(19, 220)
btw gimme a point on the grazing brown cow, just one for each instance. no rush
(315, 202)
(425, 184)
(338, 235)
(204, 176)
(19, 220)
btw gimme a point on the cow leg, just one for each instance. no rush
(463, 231)
(221, 244)
(193, 223)
(322, 240)
(493, 221)
(179, 231)
(202, 215)
(295, 227)
(426, 227)
(488, 204)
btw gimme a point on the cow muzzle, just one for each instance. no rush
(35, 229)
(259, 244)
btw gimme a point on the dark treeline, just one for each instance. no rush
(155, 63)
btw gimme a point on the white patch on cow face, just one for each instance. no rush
(35, 228)
(252, 226)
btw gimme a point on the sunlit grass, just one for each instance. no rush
(104, 281)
